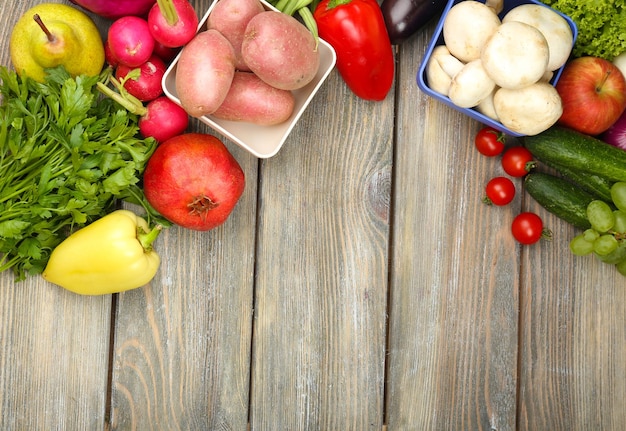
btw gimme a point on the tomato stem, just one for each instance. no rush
(546, 234)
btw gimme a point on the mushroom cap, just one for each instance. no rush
(486, 106)
(516, 55)
(553, 26)
(441, 68)
(438, 80)
(466, 28)
(529, 110)
(620, 62)
(449, 63)
(470, 85)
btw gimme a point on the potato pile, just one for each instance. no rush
(245, 64)
(502, 67)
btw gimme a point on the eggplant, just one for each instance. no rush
(403, 18)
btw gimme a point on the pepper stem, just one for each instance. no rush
(335, 3)
(147, 238)
(168, 11)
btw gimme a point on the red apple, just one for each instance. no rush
(193, 181)
(593, 93)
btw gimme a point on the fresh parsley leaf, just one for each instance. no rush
(67, 156)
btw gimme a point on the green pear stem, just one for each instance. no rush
(49, 35)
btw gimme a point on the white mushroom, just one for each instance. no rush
(553, 26)
(516, 55)
(495, 5)
(467, 26)
(620, 62)
(547, 76)
(449, 63)
(470, 85)
(441, 68)
(530, 110)
(486, 106)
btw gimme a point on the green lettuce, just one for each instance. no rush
(601, 26)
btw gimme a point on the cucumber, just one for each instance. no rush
(560, 197)
(578, 152)
(592, 183)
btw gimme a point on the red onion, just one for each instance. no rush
(113, 9)
(616, 134)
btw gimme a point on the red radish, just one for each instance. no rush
(193, 181)
(159, 119)
(163, 120)
(108, 55)
(173, 22)
(113, 9)
(130, 40)
(145, 84)
(165, 53)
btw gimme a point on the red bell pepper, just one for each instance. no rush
(356, 30)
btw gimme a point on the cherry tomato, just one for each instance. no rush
(527, 228)
(489, 141)
(499, 191)
(517, 161)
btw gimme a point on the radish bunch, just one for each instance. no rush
(139, 50)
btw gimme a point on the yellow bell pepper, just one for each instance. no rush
(112, 254)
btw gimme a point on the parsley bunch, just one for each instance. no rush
(66, 156)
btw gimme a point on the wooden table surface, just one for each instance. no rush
(360, 284)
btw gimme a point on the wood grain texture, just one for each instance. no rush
(53, 357)
(454, 273)
(360, 284)
(573, 338)
(182, 344)
(54, 345)
(319, 332)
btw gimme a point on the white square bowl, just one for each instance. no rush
(262, 141)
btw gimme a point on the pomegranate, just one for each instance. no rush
(193, 181)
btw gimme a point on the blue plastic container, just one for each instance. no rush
(437, 39)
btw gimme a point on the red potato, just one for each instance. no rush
(280, 50)
(231, 17)
(252, 100)
(206, 68)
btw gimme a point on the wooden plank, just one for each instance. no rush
(53, 344)
(573, 338)
(319, 334)
(454, 273)
(53, 357)
(182, 344)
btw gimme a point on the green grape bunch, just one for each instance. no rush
(606, 238)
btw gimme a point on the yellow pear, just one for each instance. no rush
(51, 34)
